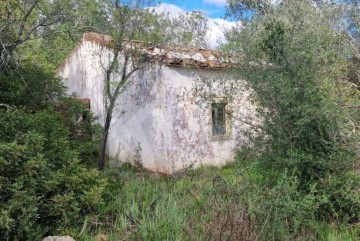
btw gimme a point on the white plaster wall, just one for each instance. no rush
(84, 72)
(165, 124)
(189, 116)
(139, 133)
(160, 120)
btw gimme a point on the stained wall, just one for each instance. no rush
(163, 116)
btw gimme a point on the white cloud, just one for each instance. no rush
(217, 26)
(168, 8)
(216, 2)
(215, 34)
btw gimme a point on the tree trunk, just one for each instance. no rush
(101, 163)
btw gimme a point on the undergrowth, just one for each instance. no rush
(229, 203)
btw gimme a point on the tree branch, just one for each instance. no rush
(26, 16)
(8, 107)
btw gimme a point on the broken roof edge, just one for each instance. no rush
(176, 56)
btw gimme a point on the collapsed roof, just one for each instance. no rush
(172, 56)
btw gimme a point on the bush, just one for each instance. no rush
(261, 204)
(44, 188)
(29, 85)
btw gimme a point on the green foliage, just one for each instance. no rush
(83, 134)
(47, 54)
(21, 21)
(47, 143)
(298, 63)
(44, 187)
(29, 85)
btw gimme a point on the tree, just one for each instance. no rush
(187, 29)
(296, 58)
(22, 20)
(35, 36)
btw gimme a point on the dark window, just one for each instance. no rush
(218, 119)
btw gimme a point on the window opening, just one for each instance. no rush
(218, 119)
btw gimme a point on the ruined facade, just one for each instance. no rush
(175, 112)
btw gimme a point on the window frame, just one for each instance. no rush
(227, 118)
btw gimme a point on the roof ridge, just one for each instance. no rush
(170, 56)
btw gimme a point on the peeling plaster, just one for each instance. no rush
(165, 117)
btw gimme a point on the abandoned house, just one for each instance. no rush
(183, 108)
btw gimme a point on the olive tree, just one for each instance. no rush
(297, 56)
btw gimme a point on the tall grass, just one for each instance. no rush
(206, 204)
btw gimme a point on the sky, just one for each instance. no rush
(213, 9)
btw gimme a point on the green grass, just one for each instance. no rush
(204, 204)
(332, 233)
(149, 206)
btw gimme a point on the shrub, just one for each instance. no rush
(44, 188)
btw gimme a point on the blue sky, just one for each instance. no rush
(212, 8)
